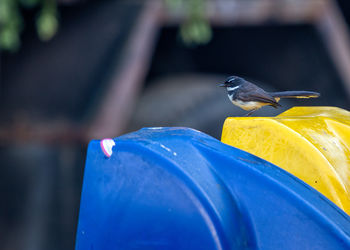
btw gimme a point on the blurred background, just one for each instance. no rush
(76, 70)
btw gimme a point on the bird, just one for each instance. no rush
(250, 97)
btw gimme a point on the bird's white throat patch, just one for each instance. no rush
(232, 88)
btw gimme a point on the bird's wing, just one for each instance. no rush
(256, 94)
(259, 97)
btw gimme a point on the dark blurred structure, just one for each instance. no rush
(116, 66)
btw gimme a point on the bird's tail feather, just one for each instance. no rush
(295, 94)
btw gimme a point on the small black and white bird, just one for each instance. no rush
(248, 96)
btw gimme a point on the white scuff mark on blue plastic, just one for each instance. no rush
(168, 149)
(107, 146)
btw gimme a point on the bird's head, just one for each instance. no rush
(232, 82)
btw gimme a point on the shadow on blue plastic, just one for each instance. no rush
(177, 188)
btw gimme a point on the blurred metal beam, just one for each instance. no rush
(53, 132)
(253, 12)
(118, 102)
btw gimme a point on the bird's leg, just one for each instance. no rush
(250, 112)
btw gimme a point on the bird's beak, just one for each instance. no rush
(222, 85)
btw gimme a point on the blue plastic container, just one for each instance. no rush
(177, 188)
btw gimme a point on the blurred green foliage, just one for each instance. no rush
(11, 21)
(196, 28)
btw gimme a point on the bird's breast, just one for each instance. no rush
(248, 105)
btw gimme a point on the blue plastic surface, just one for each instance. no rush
(177, 188)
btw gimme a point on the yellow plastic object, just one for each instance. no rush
(312, 143)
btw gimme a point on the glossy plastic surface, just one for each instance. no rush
(312, 143)
(175, 188)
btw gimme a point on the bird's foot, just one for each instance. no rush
(250, 112)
